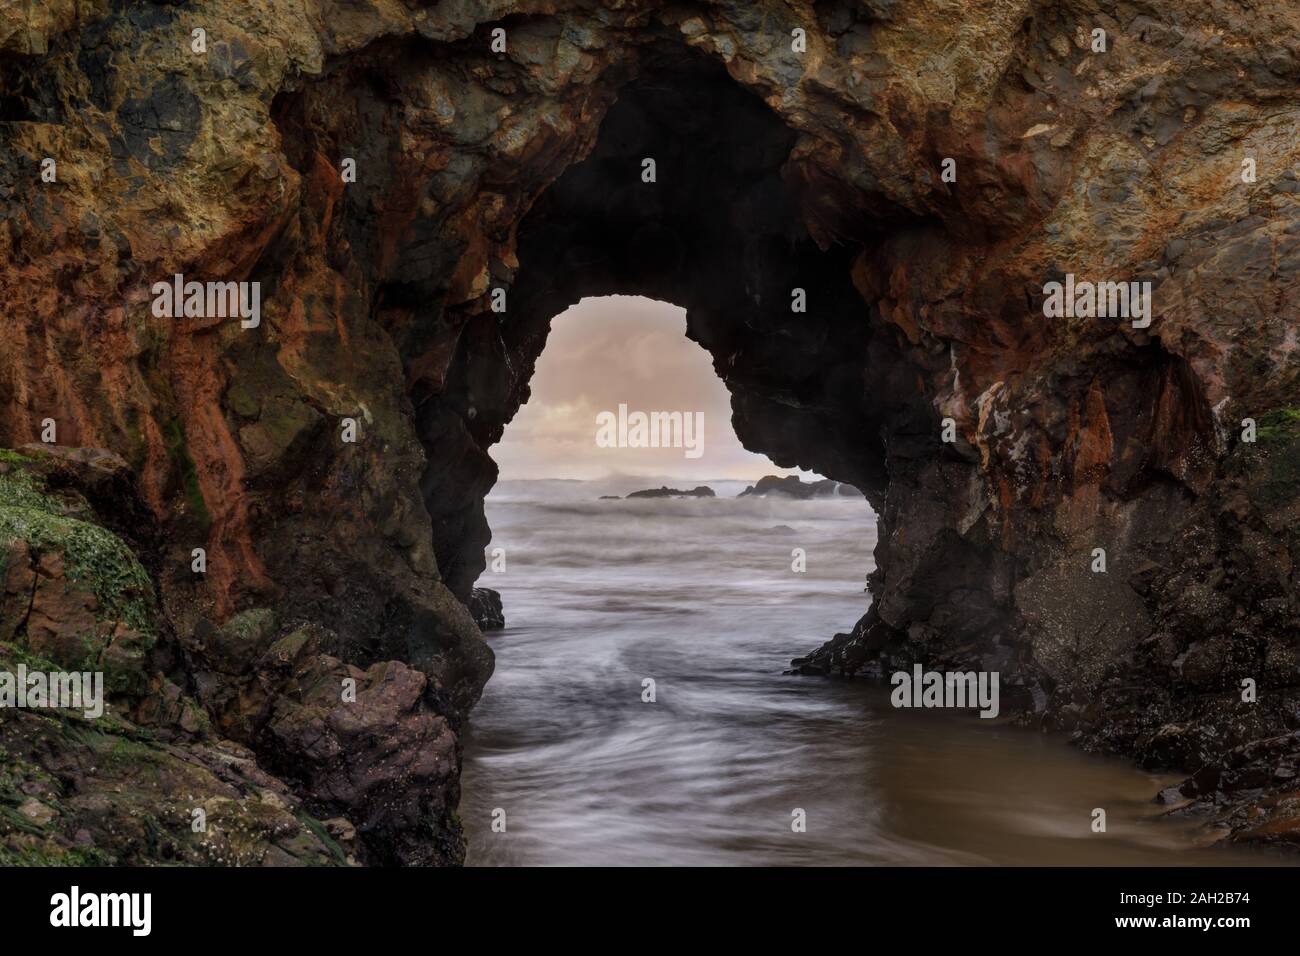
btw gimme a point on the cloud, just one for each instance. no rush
(621, 350)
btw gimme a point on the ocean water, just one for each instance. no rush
(699, 596)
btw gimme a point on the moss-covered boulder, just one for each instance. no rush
(71, 591)
(285, 754)
(1275, 465)
(233, 647)
(140, 780)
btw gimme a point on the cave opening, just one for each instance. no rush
(621, 392)
(816, 380)
(649, 601)
(636, 589)
(773, 265)
(719, 232)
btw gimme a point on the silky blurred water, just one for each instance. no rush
(699, 595)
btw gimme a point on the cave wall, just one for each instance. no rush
(478, 169)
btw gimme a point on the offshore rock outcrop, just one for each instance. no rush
(699, 491)
(792, 486)
(821, 169)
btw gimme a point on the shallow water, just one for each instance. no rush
(700, 597)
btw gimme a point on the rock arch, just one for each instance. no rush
(478, 170)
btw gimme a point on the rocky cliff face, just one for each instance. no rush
(133, 148)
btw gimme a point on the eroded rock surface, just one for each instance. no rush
(776, 170)
(132, 775)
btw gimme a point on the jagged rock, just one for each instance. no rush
(237, 645)
(485, 605)
(375, 750)
(76, 792)
(792, 486)
(845, 655)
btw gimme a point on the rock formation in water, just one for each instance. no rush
(699, 491)
(418, 187)
(486, 607)
(792, 486)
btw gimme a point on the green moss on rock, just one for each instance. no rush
(189, 474)
(95, 560)
(93, 556)
(1276, 476)
(61, 819)
(241, 640)
(1281, 424)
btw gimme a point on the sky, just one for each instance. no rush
(633, 351)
